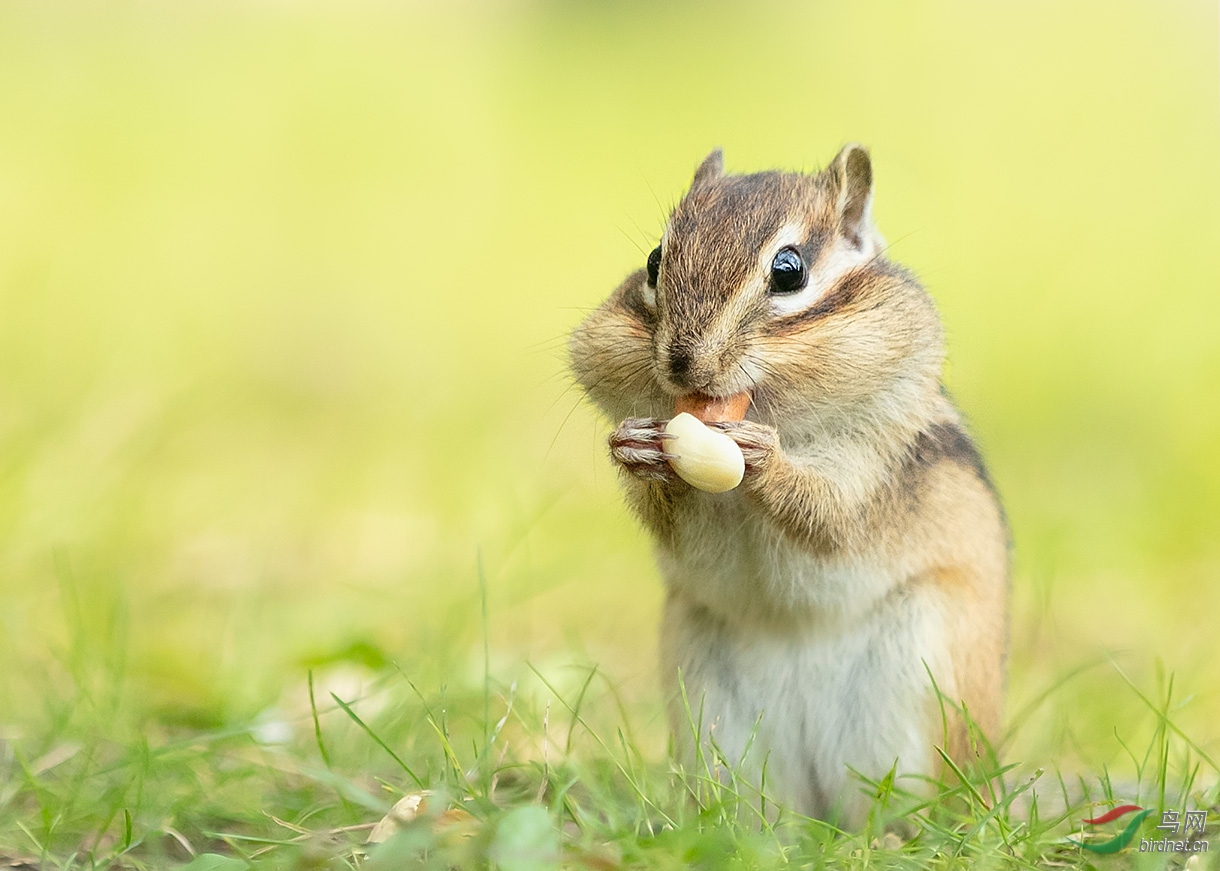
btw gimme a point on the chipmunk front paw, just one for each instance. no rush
(638, 445)
(758, 441)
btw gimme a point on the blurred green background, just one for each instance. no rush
(284, 291)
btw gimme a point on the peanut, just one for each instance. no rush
(705, 459)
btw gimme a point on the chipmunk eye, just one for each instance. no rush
(654, 266)
(788, 273)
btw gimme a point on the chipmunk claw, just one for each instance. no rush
(638, 446)
(758, 441)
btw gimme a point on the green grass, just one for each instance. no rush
(283, 298)
(554, 778)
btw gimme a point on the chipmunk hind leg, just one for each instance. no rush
(931, 677)
(976, 629)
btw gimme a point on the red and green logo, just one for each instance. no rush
(1123, 838)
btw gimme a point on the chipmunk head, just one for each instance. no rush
(771, 283)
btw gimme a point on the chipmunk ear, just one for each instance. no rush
(710, 170)
(853, 171)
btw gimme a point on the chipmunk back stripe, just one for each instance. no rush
(948, 441)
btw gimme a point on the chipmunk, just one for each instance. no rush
(861, 566)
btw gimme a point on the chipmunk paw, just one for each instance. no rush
(758, 441)
(638, 445)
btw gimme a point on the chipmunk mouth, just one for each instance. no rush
(713, 408)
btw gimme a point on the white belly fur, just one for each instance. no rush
(828, 662)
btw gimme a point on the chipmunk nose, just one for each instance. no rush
(687, 369)
(679, 363)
